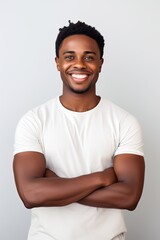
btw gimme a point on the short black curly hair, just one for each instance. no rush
(79, 28)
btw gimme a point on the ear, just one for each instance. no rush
(57, 63)
(101, 63)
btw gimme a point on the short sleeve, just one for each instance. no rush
(130, 137)
(28, 134)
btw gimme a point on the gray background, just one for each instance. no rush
(130, 78)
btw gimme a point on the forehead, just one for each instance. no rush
(79, 42)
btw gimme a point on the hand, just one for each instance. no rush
(108, 176)
(49, 173)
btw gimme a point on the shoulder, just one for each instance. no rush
(119, 115)
(114, 110)
(37, 117)
(41, 111)
(45, 108)
(127, 127)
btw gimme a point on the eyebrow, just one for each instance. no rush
(72, 52)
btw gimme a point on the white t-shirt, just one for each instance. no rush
(77, 143)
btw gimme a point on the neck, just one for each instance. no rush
(79, 102)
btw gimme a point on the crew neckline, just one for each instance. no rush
(78, 113)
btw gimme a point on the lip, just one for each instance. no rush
(79, 77)
(79, 72)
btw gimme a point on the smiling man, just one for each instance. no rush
(78, 159)
(79, 63)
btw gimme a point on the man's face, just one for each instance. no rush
(79, 63)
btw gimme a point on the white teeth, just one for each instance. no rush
(79, 76)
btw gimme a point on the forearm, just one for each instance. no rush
(106, 177)
(118, 195)
(55, 191)
(113, 196)
(126, 192)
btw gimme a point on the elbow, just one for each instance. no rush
(26, 197)
(28, 204)
(132, 199)
(29, 200)
(132, 203)
(131, 207)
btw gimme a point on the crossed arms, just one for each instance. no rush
(117, 187)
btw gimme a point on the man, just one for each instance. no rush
(78, 158)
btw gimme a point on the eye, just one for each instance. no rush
(69, 57)
(89, 58)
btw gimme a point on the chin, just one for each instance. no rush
(80, 91)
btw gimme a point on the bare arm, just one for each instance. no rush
(36, 188)
(126, 193)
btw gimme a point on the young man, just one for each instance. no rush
(78, 158)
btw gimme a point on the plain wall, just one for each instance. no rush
(130, 78)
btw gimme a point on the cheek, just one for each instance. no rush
(97, 70)
(100, 69)
(63, 67)
(58, 68)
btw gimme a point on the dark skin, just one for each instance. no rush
(120, 186)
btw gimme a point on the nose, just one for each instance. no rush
(79, 63)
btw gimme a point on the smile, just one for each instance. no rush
(79, 76)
